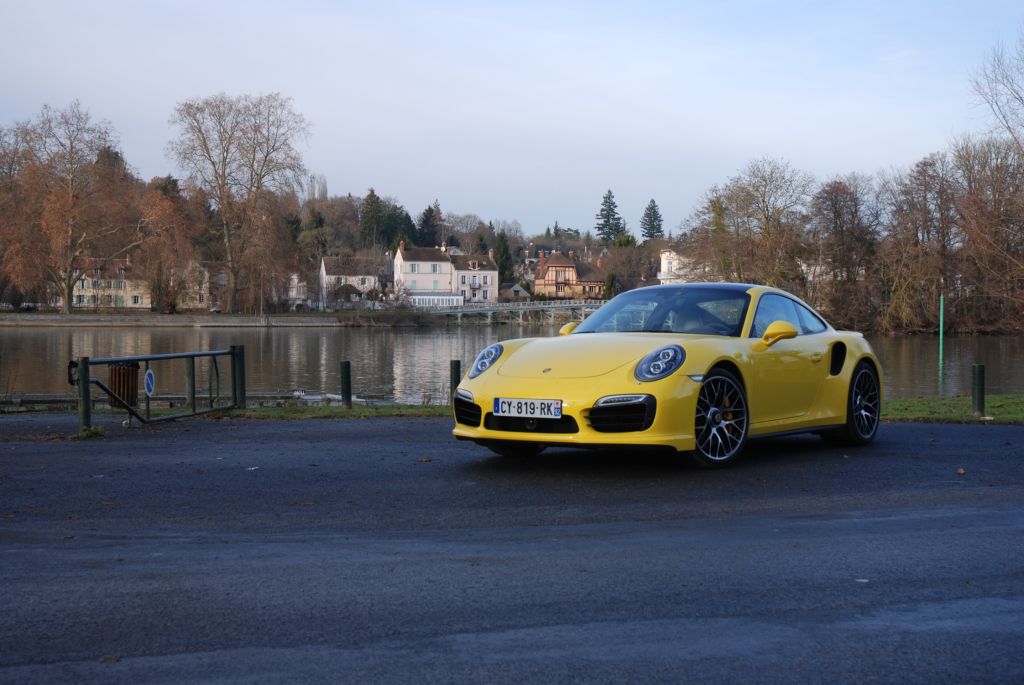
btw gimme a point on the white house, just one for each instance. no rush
(424, 276)
(675, 268)
(476, 278)
(337, 272)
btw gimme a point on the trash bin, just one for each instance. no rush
(124, 382)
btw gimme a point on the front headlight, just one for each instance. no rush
(485, 359)
(660, 363)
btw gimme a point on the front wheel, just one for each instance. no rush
(720, 425)
(863, 408)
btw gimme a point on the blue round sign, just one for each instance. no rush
(150, 382)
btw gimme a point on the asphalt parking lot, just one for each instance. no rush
(382, 550)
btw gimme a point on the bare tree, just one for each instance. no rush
(1000, 84)
(240, 151)
(73, 199)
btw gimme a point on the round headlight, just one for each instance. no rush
(485, 359)
(660, 363)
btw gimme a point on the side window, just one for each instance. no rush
(773, 308)
(809, 322)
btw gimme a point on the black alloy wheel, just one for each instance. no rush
(721, 421)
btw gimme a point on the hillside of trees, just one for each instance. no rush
(873, 252)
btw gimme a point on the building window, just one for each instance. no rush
(463, 294)
(136, 299)
(414, 268)
(79, 299)
(463, 279)
(485, 292)
(83, 284)
(110, 300)
(201, 298)
(435, 285)
(96, 284)
(486, 279)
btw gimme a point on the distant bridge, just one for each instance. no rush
(549, 311)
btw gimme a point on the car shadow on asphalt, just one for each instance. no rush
(767, 453)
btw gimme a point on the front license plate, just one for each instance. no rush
(530, 409)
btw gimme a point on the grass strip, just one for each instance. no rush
(998, 409)
(358, 411)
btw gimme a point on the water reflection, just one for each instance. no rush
(412, 364)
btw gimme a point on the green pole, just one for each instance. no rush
(942, 325)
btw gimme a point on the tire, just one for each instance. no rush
(863, 409)
(721, 421)
(516, 450)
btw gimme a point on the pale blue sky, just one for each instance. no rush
(527, 111)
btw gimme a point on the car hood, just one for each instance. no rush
(583, 355)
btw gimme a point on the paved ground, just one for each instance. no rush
(384, 551)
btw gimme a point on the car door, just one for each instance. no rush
(787, 375)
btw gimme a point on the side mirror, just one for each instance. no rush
(778, 330)
(568, 328)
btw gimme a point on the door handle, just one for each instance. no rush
(817, 357)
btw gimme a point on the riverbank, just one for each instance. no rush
(389, 318)
(999, 409)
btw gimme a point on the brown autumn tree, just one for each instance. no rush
(990, 172)
(843, 236)
(168, 261)
(920, 255)
(240, 151)
(72, 198)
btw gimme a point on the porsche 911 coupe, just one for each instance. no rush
(697, 368)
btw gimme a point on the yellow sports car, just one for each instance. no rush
(697, 368)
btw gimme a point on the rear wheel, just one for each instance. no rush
(720, 425)
(516, 450)
(863, 408)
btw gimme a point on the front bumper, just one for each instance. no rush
(661, 416)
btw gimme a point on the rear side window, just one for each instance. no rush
(809, 321)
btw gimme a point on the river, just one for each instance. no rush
(411, 365)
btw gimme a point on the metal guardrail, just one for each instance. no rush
(481, 307)
(125, 392)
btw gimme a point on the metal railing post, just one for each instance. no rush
(238, 375)
(84, 396)
(978, 390)
(346, 384)
(454, 377)
(190, 382)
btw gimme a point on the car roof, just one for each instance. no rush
(732, 287)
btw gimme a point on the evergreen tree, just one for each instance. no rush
(371, 219)
(609, 224)
(428, 226)
(398, 225)
(650, 223)
(503, 258)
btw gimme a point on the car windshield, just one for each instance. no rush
(700, 310)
